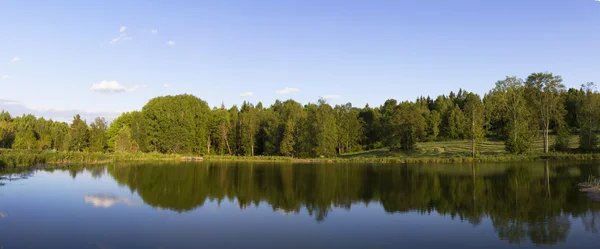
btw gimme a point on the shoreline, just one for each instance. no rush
(17, 158)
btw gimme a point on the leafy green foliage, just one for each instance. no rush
(563, 139)
(588, 116)
(98, 138)
(514, 112)
(543, 95)
(79, 134)
(177, 124)
(474, 117)
(25, 139)
(123, 141)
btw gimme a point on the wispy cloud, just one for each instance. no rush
(3, 215)
(171, 43)
(154, 31)
(122, 29)
(246, 94)
(166, 85)
(121, 38)
(15, 59)
(17, 108)
(4, 77)
(9, 101)
(287, 90)
(331, 97)
(106, 201)
(114, 87)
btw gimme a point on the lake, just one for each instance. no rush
(263, 205)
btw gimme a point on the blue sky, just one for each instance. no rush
(349, 51)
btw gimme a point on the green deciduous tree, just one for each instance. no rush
(407, 127)
(456, 123)
(139, 133)
(543, 92)
(287, 143)
(25, 139)
(123, 141)
(474, 117)
(588, 115)
(78, 134)
(177, 124)
(59, 133)
(249, 124)
(325, 129)
(350, 128)
(115, 126)
(98, 138)
(433, 125)
(510, 116)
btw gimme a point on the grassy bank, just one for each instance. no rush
(430, 152)
(384, 156)
(25, 158)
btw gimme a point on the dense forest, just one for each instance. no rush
(516, 111)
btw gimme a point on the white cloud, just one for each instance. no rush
(122, 29)
(18, 108)
(166, 85)
(154, 31)
(121, 38)
(287, 90)
(3, 215)
(9, 101)
(4, 77)
(171, 43)
(106, 201)
(114, 87)
(246, 94)
(15, 59)
(331, 97)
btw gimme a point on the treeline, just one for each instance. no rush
(516, 111)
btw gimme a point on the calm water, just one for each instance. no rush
(241, 205)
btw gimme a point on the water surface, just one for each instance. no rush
(253, 205)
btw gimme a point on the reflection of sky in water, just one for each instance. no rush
(106, 201)
(49, 207)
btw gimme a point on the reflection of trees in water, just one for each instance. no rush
(532, 202)
(6, 177)
(590, 221)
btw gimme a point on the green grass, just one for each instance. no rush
(459, 151)
(427, 152)
(456, 148)
(26, 158)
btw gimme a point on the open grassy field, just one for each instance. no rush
(487, 147)
(457, 148)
